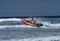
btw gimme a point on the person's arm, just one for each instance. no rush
(32, 18)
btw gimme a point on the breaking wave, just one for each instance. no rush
(16, 22)
(10, 19)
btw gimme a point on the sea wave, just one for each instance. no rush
(28, 26)
(50, 38)
(46, 24)
(10, 19)
(16, 26)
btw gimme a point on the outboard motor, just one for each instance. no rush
(38, 25)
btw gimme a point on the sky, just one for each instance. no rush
(29, 7)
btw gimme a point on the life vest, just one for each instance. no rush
(28, 22)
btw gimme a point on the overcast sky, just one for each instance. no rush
(29, 7)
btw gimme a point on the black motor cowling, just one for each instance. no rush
(41, 24)
(38, 25)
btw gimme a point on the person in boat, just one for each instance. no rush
(31, 22)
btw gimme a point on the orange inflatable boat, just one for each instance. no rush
(28, 22)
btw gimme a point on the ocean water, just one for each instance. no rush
(12, 29)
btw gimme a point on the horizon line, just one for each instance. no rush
(29, 16)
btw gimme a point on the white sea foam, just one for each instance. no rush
(50, 38)
(17, 26)
(53, 25)
(50, 25)
(46, 24)
(26, 26)
(10, 19)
